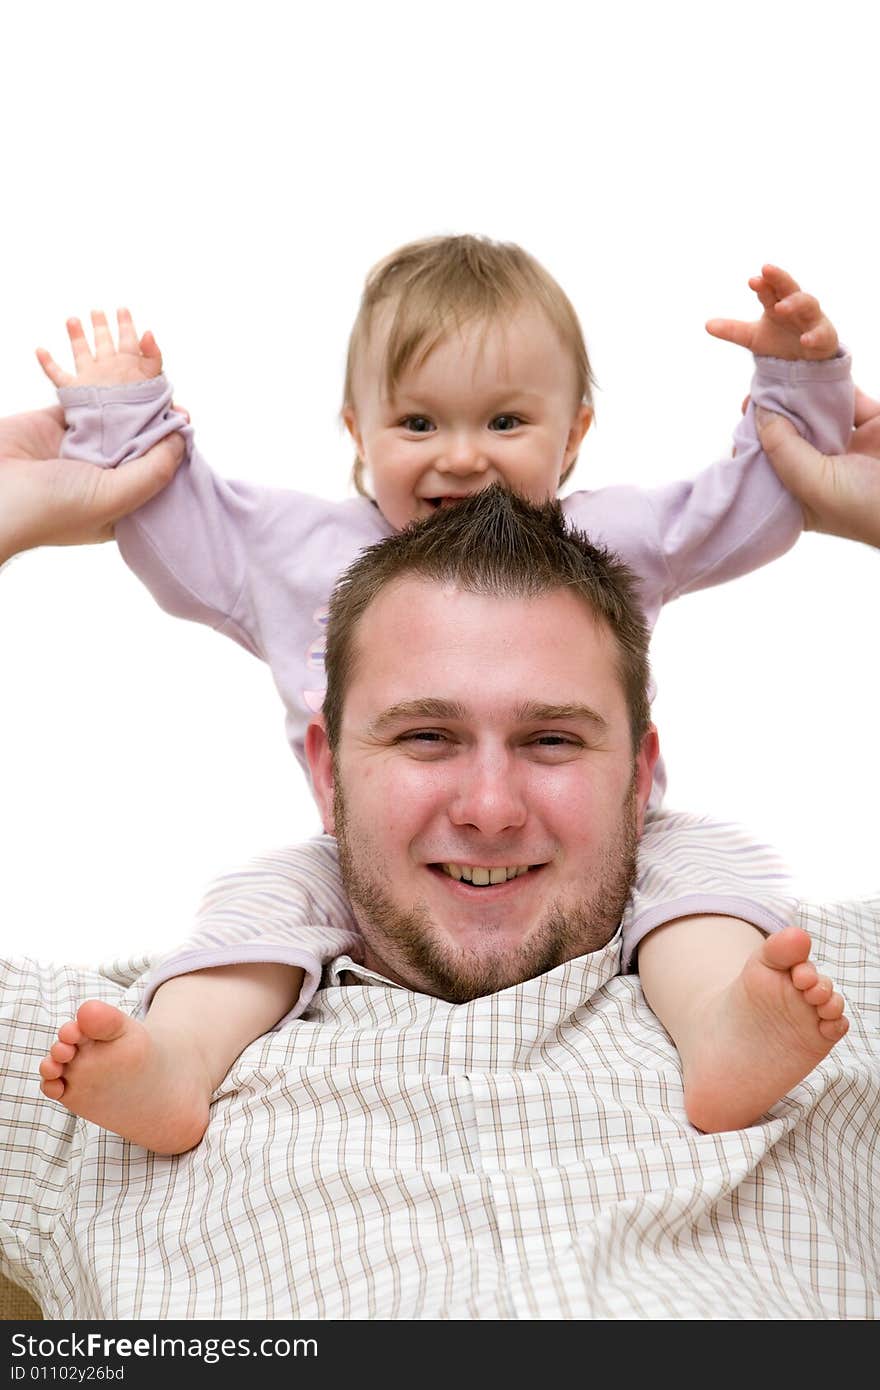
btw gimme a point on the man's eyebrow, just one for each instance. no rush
(532, 712)
(417, 709)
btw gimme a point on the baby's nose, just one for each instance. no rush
(464, 455)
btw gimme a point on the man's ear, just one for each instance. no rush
(320, 760)
(646, 761)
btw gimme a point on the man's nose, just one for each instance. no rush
(463, 455)
(489, 795)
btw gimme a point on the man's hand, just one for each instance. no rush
(840, 494)
(792, 325)
(47, 500)
(135, 359)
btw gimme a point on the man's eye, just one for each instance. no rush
(504, 423)
(555, 741)
(417, 424)
(428, 744)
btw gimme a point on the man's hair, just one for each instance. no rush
(494, 542)
(448, 282)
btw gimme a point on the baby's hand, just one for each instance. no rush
(133, 360)
(792, 325)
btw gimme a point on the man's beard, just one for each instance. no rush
(408, 940)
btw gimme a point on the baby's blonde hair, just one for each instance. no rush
(450, 281)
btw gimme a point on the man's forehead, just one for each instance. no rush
(431, 606)
(421, 640)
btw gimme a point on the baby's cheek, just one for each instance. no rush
(399, 507)
(540, 480)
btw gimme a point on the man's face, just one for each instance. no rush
(482, 738)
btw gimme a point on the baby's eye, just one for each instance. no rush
(504, 423)
(418, 424)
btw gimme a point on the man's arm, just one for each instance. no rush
(48, 500)
(840, 493)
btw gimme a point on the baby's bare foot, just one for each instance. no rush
(761, 1035)
(117, 1072)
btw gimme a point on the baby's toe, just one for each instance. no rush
(833, 1029)
(833, 1008)
(804, 975)
(821, 991)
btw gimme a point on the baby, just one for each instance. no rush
(466, 365)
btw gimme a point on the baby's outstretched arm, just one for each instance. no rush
(793, 325)
(207, 547)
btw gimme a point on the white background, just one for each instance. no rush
(231, 172)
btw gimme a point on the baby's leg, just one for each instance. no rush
(152, 1082)
(749, 1014)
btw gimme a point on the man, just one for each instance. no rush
(521, 1154)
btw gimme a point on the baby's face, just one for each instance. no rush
(503, 410)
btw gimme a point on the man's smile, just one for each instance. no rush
(485, 881)
(481, 874)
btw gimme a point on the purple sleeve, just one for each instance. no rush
(190, 543)
(735, 515)
(254, 563)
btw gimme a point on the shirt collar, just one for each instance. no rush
(583, 975)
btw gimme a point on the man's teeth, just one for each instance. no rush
(480, 877)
